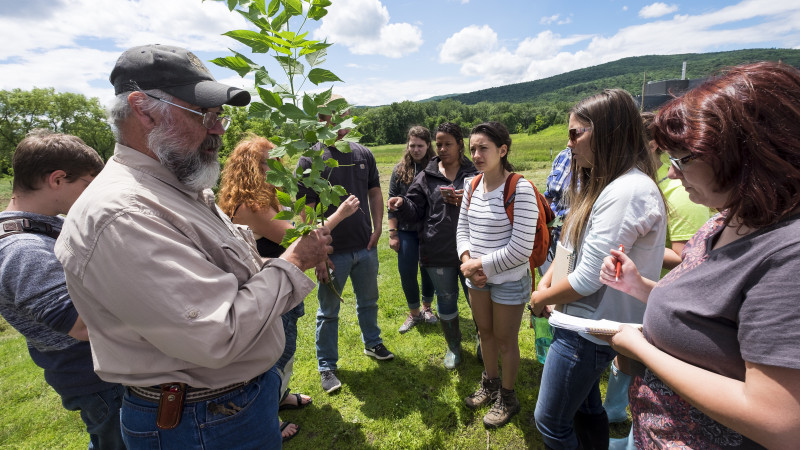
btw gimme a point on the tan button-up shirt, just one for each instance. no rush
(169, 288)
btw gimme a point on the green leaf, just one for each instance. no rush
(339, 190)
(284, 215)
(280, 20)
(284, 199)
(332, 163)
(292, 7)
(292, 234)
(234, 63)
(232, 4)
(270, 98)
(314, 57)
(263, 78)
(343, 146)
(256, 41)
(309, 106)
(292, 112)
(290, 64)
(318, 76)
(260, 4)
(299, 205)
(273, 8)
(259, 110)
(316, 13)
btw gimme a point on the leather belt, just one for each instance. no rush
(192, 395)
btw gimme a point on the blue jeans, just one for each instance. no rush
(362, 268)
(289, 319)
(100, 413)
(570, 383)
(246, 418)
(407, 265)
(445, 283)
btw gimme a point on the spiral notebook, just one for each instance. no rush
(581, 325)
(563, 265)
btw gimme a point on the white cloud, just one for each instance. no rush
(657, 9)
(72, 50)
(548, 20)
(625, 8)
(483, 61)
(363, 27)
(467, 43)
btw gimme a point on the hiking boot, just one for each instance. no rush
(411, 321)
(505, 407)
(379, 352)
(428, 314)
(484, 394)
(329, 381)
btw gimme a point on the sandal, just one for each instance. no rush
(289, 437)
(298, 399)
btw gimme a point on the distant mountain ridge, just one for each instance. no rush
(626, 73)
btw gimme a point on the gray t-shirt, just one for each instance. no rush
(716, 310)
(737, 303)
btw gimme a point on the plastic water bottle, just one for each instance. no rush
(544, 336)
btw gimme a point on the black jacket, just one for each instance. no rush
(423, 203)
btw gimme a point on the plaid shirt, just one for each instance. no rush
(557, 182)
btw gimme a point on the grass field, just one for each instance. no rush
(409, 402)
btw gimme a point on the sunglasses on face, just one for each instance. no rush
(678, 163)
(575, 132)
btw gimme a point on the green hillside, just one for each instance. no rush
(625, 73)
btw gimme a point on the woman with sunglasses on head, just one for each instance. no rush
(248, 199)
(434, 198)
(720, 332)
(618, 203)
(494, 253)
(404, 236)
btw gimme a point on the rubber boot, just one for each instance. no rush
(452, 334)
(592, 430)
(616, 401)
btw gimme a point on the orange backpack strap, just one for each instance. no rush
(509, 193)
(472, 186)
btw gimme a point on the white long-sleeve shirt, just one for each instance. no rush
(484, 230)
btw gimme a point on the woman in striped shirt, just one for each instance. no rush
(494, 255)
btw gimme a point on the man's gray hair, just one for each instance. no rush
(121, 109)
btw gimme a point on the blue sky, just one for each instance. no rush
(388, 50)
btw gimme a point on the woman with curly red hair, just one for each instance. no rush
(248, 199)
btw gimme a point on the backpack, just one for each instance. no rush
(16, 225)
(541, 241)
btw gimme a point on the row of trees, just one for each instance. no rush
(389, 124)
(22, 111)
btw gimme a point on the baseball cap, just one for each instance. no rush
(175, 71)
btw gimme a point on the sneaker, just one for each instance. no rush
(329, 381)
(428, 314)
(379, 352)
(410, 322)
(504, 408)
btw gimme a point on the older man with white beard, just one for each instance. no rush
(179, 306)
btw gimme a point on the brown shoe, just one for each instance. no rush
(484, 395)
(505, 407)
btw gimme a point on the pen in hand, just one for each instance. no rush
(619, 263)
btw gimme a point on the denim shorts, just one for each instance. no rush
(508, 293)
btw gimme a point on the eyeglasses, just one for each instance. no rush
(575, 132)
(88, 182)
(678, 163)
(210, 119)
